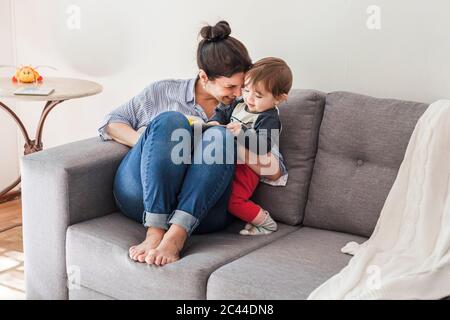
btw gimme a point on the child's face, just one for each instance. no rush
(258, 99)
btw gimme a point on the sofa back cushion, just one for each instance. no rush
(300, 116)
(362, 142)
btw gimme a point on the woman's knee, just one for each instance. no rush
(222, 138)
(172, 119)
(217, 130)
(165, 124)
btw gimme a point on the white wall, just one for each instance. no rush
(125, 45)
(9, 165)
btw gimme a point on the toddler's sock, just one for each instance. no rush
(266, 227)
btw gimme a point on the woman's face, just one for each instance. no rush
(225, 89)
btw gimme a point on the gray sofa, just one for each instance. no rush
(343, 151)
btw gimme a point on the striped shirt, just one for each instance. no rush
(166, 95)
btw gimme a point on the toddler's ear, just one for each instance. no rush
(282, 98)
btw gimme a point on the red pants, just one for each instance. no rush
(244, 184)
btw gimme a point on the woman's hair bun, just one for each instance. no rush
(216, 33)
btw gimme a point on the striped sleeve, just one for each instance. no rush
(136, 112)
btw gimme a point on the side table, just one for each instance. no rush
(64, 89)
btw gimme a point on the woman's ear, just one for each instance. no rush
(203, 77)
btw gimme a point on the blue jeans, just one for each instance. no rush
(153, 190)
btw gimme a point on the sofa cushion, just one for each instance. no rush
(289, 268)
(98, 248)
(82, 293)
(362, 142)
(300, 116)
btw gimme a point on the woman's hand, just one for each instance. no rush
(235, 128)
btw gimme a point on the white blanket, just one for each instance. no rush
(408, 254)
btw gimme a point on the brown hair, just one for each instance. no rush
(273, 74)
(220, 55)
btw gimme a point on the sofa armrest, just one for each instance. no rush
(62, 186)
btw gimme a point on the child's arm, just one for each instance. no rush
(222, 114)
(266, 165)
(264, 134)
(261, 160)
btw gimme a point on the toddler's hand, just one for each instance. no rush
(234, 127)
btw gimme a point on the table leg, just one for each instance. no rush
(30, 146)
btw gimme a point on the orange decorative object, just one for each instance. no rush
(26, 74)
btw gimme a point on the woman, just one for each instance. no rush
(174, 200)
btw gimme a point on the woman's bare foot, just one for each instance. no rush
(168, 250)
(152, 240)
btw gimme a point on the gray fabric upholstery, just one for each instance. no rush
(70, 218)
(301, 117)
(62, 186)
(83, 293)
(99, 249)
(362, 143)
(289, 268)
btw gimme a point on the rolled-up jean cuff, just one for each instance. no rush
(156, 220)
(184, 219)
